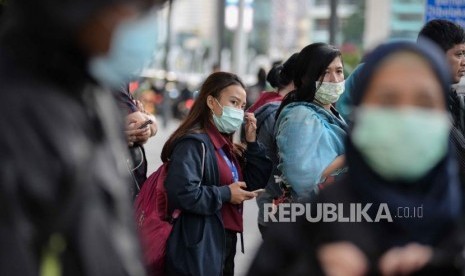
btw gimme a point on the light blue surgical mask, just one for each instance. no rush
(230, 120)
(401, 144)
(132, 47)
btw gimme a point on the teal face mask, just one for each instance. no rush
(230, 120)
(329, 92)
(132, 47)
(401, 144)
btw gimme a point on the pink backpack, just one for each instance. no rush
(152, 218)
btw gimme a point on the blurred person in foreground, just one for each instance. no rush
(265, 108)
(399, 156)
(64, 204)
(133, 45)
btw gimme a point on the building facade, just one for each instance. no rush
(391, 20)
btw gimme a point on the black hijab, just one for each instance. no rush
(438, 192)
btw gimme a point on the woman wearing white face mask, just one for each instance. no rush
(203, 241)
(309, 131)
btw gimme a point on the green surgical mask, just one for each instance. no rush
(401, 144)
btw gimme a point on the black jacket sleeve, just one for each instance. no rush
(458, 141)
(257, 166)
(184, 184)
(60, 174)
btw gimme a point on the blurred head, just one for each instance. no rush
(451, 38)
(261, 76)
(401, 124)
(281, 75)
(216, 68)
(121, 56)
(315, 64)
(403, 80)
(222, 94)
(89, 24)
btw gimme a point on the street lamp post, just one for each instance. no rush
(333, 22)
(239, 42)
(168, 37)
(220, 32)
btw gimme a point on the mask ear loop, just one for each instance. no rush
(211, 108)
(219, 104)
(222, 108)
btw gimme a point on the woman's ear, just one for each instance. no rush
(210, 101)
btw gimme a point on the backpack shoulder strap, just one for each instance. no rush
(203, 162)
(264, 112)
(176, 212)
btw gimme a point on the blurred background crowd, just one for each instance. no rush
(197, 37)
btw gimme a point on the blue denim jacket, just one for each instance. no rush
(309, 138)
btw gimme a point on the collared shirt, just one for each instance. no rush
(232, 213)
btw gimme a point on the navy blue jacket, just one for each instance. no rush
(197, 243)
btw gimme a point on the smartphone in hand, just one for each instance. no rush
(259, 191)
(146, 123)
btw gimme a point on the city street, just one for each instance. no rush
(252, 238)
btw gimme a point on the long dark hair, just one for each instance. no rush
(200, 114)
(310, 66)
(282, 75)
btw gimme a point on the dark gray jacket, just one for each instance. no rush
(62, 164)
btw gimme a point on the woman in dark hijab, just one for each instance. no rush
(398, 210)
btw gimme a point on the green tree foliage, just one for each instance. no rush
(355, 24)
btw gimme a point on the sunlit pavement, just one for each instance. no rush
(252, 238)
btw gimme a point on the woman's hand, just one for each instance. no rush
(250, 127)
(139, 136)
(405, 260)
(133, 133)
(337, 164)
(148, 116)
(238, 194)
(342, 258)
